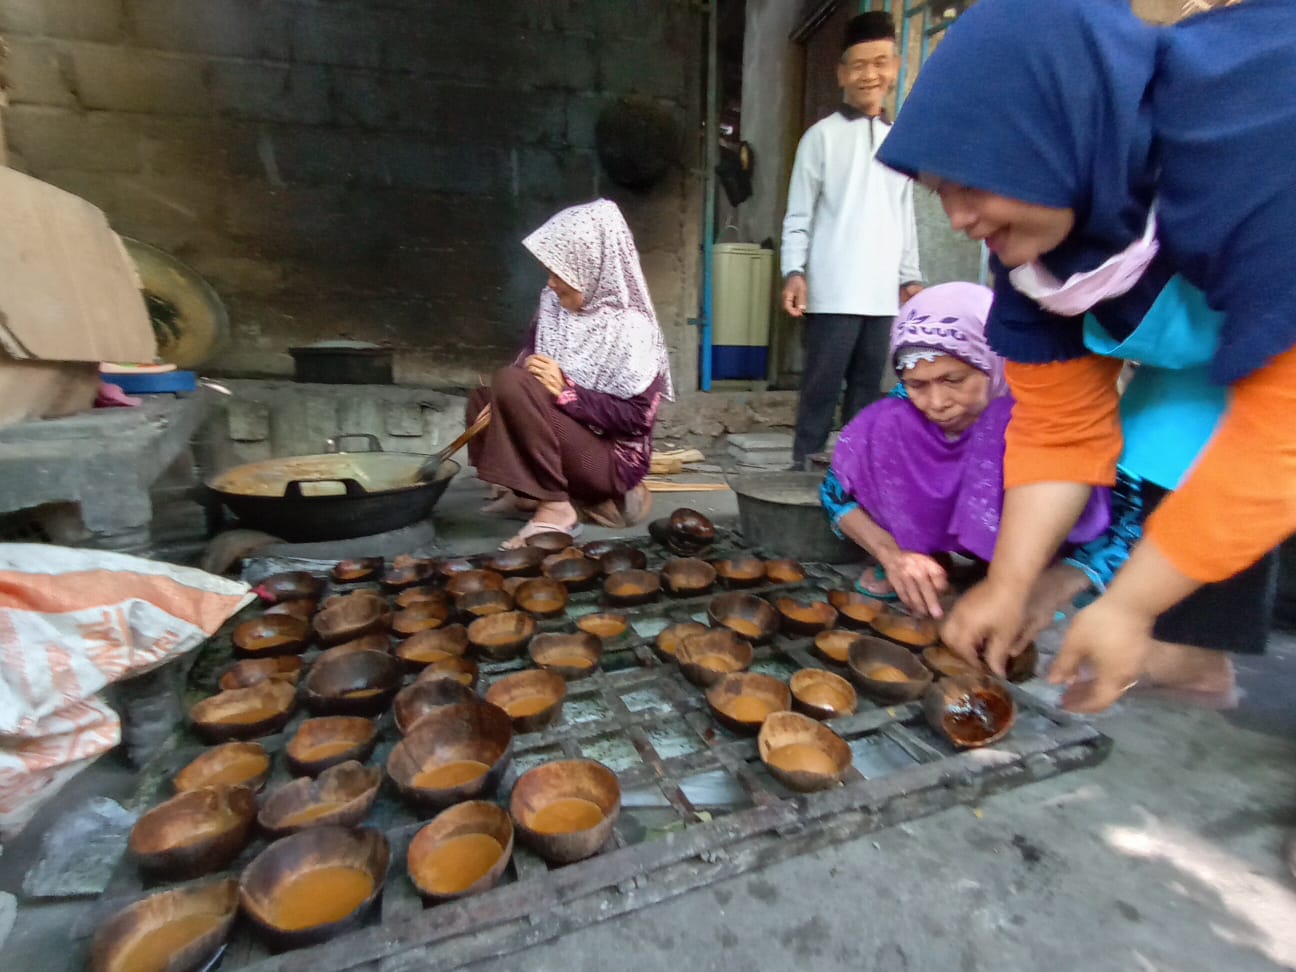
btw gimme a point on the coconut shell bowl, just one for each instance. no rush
(271, 635)
(943, 661)
(622, 558)
(746, 615)
(742, 702)
(428, 647)
(784, 571)
(356, 570)
(423, 616)
(905, 629)
(565, 810)
(250, 671)
(175, 930)
(607, 626)
(803, 616)
(471, 581)
(248, 713)
(341, 795)
(688, 576)
(570, 656)
(835, 645)
(415, 702)
(669, 640)
(550, 541)
(886, 672)
(575, 573)
(293, 585)
(855, 610)
(970, 710)
(459, 752)
(741, 571)
(351, 617)
(463, 851)
(629, 587)
(414, 595)
(328, 741)
(542, 597)
(532, 699)
(801, 753)
(309, 887)
(194, 833)
(360, 683)
(522, 562)
(463, 670)
(822, 695)
(481, 604)
(412, 573)
(709, 655)
(231, 764)
(502, 636)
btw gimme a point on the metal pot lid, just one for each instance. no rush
(189, 319)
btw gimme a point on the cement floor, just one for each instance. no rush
(1165, 857)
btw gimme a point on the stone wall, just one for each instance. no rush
(361, 168)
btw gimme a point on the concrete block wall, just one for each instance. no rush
(360, 168)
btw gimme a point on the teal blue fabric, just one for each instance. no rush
(1171, 408)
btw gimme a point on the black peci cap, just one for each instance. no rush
(875, 25)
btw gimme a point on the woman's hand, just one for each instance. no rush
(546, 371)
(919, 581)
(990, 616)
(1104, 654)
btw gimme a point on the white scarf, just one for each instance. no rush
(613, 344)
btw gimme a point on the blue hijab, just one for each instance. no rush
(1078, 104)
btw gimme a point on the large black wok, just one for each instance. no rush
(335, 496)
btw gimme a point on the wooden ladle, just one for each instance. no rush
(428, 470)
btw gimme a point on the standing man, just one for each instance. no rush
(850, 244)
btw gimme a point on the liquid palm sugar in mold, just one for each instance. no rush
(748, 709)
(152, 951)
(449, 775)
(455, 865)
(802, 758)
(566, 816)
(320, 897)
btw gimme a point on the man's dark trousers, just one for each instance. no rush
(849, 348)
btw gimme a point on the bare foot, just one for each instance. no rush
(509, 504)
(1195, 675)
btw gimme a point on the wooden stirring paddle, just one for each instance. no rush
(428, 470)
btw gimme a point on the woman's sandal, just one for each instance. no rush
(879, 574)
(532, 528)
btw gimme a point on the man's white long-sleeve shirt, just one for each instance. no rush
(850, 224)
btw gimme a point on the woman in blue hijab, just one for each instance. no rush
(1133, 186)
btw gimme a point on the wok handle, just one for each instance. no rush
(334, 444)
(293, 488)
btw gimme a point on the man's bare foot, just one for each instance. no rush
(559, 516)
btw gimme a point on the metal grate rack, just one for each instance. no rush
(698, 805)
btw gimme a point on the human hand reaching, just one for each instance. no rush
(991, 616)
(1104, 654)
(918, 580)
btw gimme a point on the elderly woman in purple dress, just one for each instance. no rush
(920, 474)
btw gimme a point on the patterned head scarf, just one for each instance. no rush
(949, 318)
(613, 344)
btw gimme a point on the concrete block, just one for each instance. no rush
(338, 35)
(404, 419)
(641, 67)
(254, 210)
(248, 422)
(233, 28)
(50, 138)
(91, 20)
(757, 442)
(583, 111)
(186, 146)
(405, 162)
(170, 212)
(318, 156)
(368, 99)
(269, 92)
(37, 74)
(124, 79)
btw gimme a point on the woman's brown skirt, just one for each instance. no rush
(535, 448)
